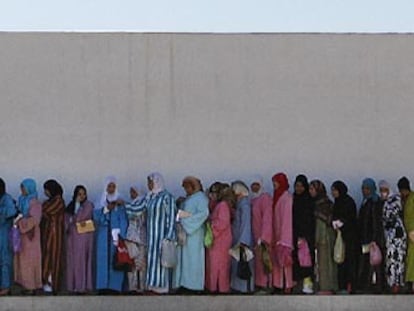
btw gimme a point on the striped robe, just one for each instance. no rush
(52, 233)
(161, 211)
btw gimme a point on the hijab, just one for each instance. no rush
(106, 197)
(194, 182)
(257, 180)
(53, 187)
(370, 184)
(158, 181)
(342, 189)
(24, 200)
(320, 189)
(283, 182)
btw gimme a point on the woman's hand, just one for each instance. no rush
(183, 214)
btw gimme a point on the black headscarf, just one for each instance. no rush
(71, 207)
(54, 188)
(404, 184)
(341, 187)
(2, 187)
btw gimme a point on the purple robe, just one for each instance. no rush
(79, 276)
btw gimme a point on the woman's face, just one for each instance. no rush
(385, 192)
(366, 191)
(47, 193)
(188, 188)
(255, 187)
(81, 195)
(111, 188)
(133, 193)
(150, 184)
(276, 185)
(299, 188)
(335, 192)
(23, 190)
(312, 191)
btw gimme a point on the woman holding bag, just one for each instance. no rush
(79, 241)
(345, 220)
(395, 237)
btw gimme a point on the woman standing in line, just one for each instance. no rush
(79, 252)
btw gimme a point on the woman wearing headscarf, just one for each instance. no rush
(136, 242)
(370, 278)
(407, 197)
(52, 230)
(7, 213)
(189, 273)
(111, 223)
(303, 231)
(242, 237)
(262, 213)
(28, 262)
(345, 220)
(79, 243)
(395, 237)
(160, 207)
(282, 234)
(218, 256)
(326, 272)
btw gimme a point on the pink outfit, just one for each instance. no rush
(262, 229)
(28, 263)
(283, 242)
(218, 255)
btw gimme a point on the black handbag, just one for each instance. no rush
(243, 268)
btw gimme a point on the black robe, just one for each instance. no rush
(303, 227)
(370, 228)
(345, 210)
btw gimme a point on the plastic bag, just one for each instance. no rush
(208, 236)
(339, 248)
(15, 239)
(168, 254)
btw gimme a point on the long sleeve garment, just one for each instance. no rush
(409, 227)
(190, 269)
(7, 212)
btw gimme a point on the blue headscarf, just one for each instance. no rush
(24, 200)
(370, 183)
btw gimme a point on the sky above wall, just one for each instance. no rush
(208, 15)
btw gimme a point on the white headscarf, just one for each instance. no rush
(259, 180)
(141, 192)
(105, 195)
(385, 184)
(158, 181)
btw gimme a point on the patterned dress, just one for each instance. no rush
(395, 241)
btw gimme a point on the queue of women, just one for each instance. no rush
(232, 238)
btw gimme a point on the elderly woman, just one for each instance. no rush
(324, 238)
(345, 220)
(28, 262)
(111, 223)
(282, 234)
(7, 213)
(160, 207)
(395, 237)
(136, 242)
(261, 202)
(218, 257)
(242, 238)
(189, 273)
(52, 230)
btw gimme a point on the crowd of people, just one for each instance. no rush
(229, 238)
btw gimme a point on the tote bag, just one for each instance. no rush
(168, 254)
(339, 248)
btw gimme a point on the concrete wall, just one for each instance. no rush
(78, 107)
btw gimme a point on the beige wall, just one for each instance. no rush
(81, 106)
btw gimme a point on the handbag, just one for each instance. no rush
(375, 255)
(339, 248)
(243, 268)
(208, 236)
(122, 260)
(266, 260)
(181, 234)
(15, 239)
(304, 257)
(88, 226)
(168, 254)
